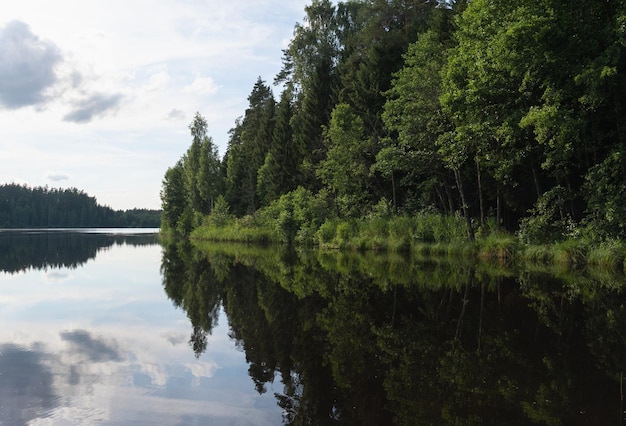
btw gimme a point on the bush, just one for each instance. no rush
(345, 232)
(545, 224)
(326, 233)
(287, 223)
(220, 215)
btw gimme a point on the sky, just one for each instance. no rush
(98, 95)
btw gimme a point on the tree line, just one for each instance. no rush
(22, 206)
(509, 115)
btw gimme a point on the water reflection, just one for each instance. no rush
(93, 339)
(373, 339)
(21, 250)
(26, 389)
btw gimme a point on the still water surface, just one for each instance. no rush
(108, 327)
(374, 339)
(88, 336)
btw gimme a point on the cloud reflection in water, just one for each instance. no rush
(105, 346)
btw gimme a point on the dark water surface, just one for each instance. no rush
(108, 327)
(89, 337)
(371, 339)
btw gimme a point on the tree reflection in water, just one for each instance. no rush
(21, 250)
(383, 339)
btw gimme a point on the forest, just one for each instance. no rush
(495, 114)
(41, 207)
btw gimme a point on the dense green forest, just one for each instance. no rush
(502, 114)
(41, 207)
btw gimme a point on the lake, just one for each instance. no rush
(89, 337)
(109, 327)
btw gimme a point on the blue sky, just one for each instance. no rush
(98, 95)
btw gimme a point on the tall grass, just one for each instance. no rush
(498, 246)
(425, 234)
(434, 227)
(609, 255)
(570, 254)
(398, 233)
(245, 229)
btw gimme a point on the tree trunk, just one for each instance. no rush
(537, 184)
(393, 191)
(621, 134)
(464, 206)
(448, 195)
(442, 200)
(480, 193)
(498, 208)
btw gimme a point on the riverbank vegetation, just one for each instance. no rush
(483, 127)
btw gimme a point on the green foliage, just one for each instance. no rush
(568, 254)
(41, 207)
(547, 222)
(608, 255)
(220, 215)
(173, 195)
(202, 168)
(248, 148)
(245, 229)
(327, 232)
(190, 187)
(345, 170)
(432, 227)
(401, 231)
(448, 113)
(288, 224)
(296, 215)
(186, 221)
(606, 193)
(346, 231)
(499, 246)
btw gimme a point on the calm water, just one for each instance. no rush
(88, 336)
(108, 327)
(369, 339)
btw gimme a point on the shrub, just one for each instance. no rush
(220, 215)
(326, 233)
(345, 231)
(288, 224)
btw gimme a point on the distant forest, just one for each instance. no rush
(507, 113)
(41, 207)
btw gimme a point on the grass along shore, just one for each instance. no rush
(423, 234)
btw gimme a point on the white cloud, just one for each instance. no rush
(131, 76)
(203, 86)
(158, 81)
